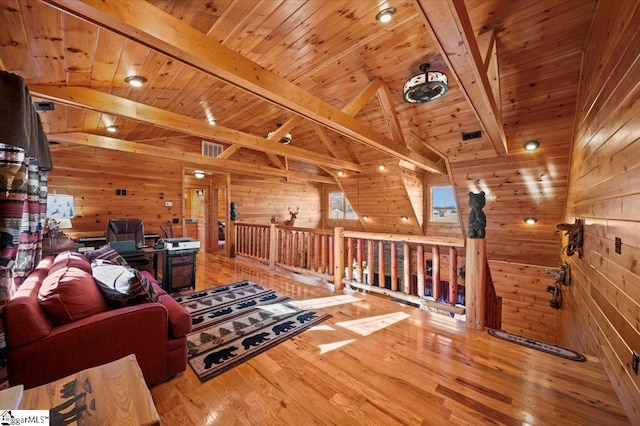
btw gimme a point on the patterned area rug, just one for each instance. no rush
(538, 345)
(232, 324)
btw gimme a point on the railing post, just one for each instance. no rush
(420, 271)
(273, 245)
(370, 262)
(435, 267)
(453, 275)
(475, 282)
(338, 258)
(231, 236)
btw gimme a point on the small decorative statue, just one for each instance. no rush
(477, 219)
(563, 277)
(574, 232)
(233, 213)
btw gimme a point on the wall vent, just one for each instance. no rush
(43, 106)
(211, 149)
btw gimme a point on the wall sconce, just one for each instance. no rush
(530, 220)
(385, 15)
(112, 128)
(198, 174)
(531, 145)
(135, 80)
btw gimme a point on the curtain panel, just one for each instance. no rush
(22, 218)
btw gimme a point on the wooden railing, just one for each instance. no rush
(398, 266)
(371, 262)
(304, 250)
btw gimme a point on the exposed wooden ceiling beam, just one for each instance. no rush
(449, 24)
(106, 103)
(146, 24)
(190, 158)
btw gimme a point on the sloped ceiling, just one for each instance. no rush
(308, 65)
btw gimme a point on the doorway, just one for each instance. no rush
(204, 209)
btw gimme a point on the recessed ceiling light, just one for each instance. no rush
(340, 173)
(404, 218)
(365, 217)
(531, 145)
(112, 128)
(199, 174)
(211, 121)
(385, 15)
(382, 167)
(136, 80)
(530, 220)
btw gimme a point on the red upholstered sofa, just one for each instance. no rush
(50, 340)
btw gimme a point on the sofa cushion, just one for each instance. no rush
(108, 254)
(73, 259)
(123, 285)
(70, 294)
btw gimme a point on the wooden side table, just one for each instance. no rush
(110, 394)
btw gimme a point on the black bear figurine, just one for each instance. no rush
(477, 219)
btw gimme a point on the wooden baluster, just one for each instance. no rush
(406, 264)
(370, 262)
(453, 275)
(349, 258)
(359, 259)
(273, 245)
(381, 264)
(324, 250)
(420, 271)
(435, 253)
(338, 258)
(394, 266)
(332, 251)
(316, 253)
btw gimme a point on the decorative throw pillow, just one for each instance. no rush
(71, 259)
(123, 285)
(106, 254)
(70, 294)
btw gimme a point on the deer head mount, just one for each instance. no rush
(575, 237)
(292, 219)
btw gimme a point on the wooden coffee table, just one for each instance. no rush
(110, 394)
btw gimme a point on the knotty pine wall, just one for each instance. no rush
(601, 311)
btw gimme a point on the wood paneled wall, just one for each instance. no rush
(601, 312)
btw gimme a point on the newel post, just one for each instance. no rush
(476, 262)
(338, 256)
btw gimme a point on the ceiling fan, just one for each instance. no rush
(426, 87)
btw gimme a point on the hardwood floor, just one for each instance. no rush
(378, 362)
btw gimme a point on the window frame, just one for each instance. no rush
(348, 212)
(442, 204)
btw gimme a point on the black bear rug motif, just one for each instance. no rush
(234, 323)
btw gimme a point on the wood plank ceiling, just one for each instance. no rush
(334, 76)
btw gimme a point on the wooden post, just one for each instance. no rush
(453, 275)
(231, 235)
(349, 258)
(359, 259)
(394, 266)
(370, 262)
(381, 264)
(406, 264)
(273, 245)
(338, 258)
(475, 282)
(420, 271)
(435, 264)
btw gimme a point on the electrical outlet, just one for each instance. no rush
(118, 191)
(124, 192)
(635, 360)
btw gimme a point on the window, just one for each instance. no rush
(443, 204)
(339, 207)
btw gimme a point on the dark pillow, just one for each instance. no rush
(106, 254)
(70, 294)
(123, 285)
